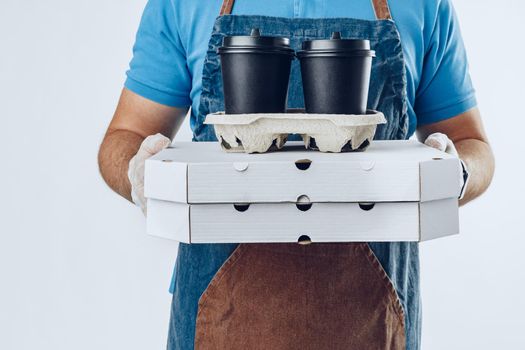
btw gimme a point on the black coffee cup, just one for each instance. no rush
(336, 75)
(255, 73)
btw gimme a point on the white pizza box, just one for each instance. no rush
(388, 171)
(315, 222)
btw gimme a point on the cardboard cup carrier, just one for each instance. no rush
(258, 133)
(256, 72)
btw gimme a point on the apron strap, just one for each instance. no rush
(226, 8)
(381, 9)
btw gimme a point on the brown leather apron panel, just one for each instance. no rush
(289, 296)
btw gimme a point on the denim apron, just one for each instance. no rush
(286, 296)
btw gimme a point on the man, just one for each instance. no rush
(420, 82)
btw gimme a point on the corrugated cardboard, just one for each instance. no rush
(318, 222)
(395, 191)
(389, 171)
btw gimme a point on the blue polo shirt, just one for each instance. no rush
(172, 40)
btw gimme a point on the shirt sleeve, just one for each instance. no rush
(158, 69)
(445, 89)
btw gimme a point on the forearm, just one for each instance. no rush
(479, 160)
(117, 148)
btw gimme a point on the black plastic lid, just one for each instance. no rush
(255, 43)
(337, 45)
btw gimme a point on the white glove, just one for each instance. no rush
(443, 143)
(150, 146)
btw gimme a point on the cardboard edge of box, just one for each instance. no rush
(438, 205)
(173, 221)
(172, 183)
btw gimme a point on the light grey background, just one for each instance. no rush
(77, 270)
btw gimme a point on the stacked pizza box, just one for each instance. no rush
(395, 191)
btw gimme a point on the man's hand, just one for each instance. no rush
(468, 138)
(150, 146)
(135, 119)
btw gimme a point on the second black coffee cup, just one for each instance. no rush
(336, 75)
(255, 73)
